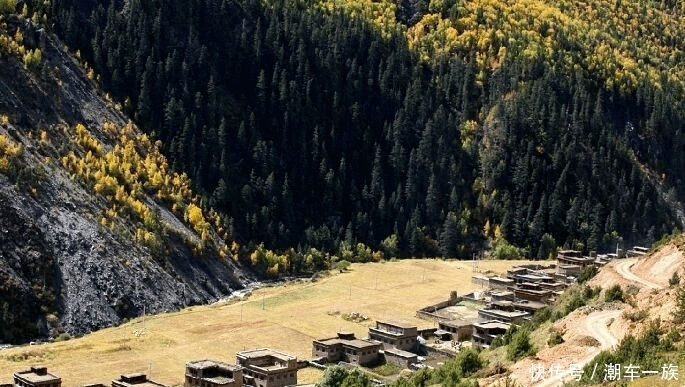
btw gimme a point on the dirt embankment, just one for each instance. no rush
(586, 333)
(660, 266)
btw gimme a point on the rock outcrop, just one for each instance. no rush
(60, 270)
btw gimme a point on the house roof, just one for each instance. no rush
(504, 313)
(455, 323)
(399, 324)
(400, 353)
(356, 343)
(263, 352)
(137, 380)
(492, 324)
(501, 279)
(36, 378)
(204, 364)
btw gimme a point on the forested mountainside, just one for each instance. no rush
(94, 227)
(413, 128)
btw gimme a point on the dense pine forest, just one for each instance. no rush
(355, 130)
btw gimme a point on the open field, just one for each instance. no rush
(285, 317)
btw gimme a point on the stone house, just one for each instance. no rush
(36, 376)
(394, 335)
(400, 358)
(211, 373)
(346, 347)
(459, 329)
(266, 367)
(485, 332)
(135, 380)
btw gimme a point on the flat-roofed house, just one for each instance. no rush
(393, 334)
(211, 373)
(500, 282)
(503, 295)
(573, 257)
(534, 278)
(532, 292)
(400, 358)
(460, 330)
(637, 251)
(266, 367)
(529, 306)
(485, 332)
(568, 272)
(570, 253)
(135, 380)
(346, 347)
(554, 286)
(36, 376)
(502, 311)
(516, 270)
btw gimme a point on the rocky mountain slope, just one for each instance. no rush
(410, 128)
(71, 256)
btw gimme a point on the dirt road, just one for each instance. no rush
(623, 268)
(596, 325)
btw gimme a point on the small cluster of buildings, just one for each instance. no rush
(256, 368)
(388, 341)
(509, 299)
(570, 263)
(515, 297)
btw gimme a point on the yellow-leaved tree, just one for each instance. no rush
(9, 151)
(8, 6)
(195, 218)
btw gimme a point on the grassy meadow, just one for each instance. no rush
(286, 317)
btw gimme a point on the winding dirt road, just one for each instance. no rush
(596, 325)
(623, 268)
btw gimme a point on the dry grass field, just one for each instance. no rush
(285, 317)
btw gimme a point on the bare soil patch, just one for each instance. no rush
(661, 265)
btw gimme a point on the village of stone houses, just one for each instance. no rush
(496, 302)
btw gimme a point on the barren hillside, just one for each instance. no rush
(73, 259)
